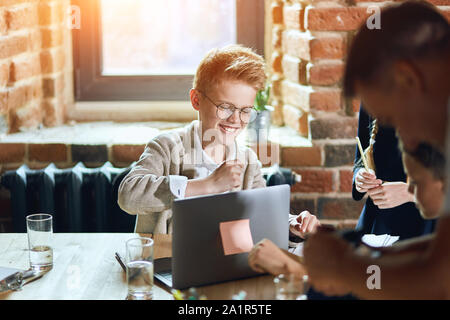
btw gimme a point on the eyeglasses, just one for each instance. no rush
(225, 110)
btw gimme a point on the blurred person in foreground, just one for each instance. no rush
(401, 74)
(426, 172)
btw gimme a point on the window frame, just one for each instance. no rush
(91, 85)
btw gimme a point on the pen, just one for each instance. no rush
(119, 259)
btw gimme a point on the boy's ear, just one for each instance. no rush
(195, 99)
(408, 77)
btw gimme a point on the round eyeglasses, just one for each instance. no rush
(225, 110)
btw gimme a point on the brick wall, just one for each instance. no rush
(309, 43)
(35, 64)
(306, 46)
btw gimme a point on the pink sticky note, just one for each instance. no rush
(236, 236)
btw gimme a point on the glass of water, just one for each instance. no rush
(139, 262)
(40, 231)
(291, 287)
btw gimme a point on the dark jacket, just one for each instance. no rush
(405, 220)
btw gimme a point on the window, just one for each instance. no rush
(149, 49)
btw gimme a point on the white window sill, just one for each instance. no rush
(133, 133)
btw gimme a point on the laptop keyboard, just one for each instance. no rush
(166, 275)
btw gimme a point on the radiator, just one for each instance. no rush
(80, 199)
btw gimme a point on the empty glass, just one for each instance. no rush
(139, 263)
(40, 231)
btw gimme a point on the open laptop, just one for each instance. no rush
(198, 255)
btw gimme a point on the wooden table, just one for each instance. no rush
(84, 267)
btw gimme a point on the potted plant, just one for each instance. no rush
(258, 129)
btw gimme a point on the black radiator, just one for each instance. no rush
(80, 199)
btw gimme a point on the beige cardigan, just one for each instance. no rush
(145, 191)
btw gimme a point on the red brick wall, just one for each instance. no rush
(309, 43)
(35, 63)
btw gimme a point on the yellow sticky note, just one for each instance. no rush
(236, 236)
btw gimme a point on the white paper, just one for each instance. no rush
(382, 240)
(299, 250)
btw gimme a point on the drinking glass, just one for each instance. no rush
(40, 231)
(139, 263)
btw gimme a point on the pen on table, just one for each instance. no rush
(119, 259)
(363, 157)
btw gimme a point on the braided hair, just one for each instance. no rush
(368, 152)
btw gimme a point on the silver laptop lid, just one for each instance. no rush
(197, 250)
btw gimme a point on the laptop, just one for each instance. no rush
(199, 255)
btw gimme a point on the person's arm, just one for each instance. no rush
(265, 256)
(420, 274)
(297, 259)
(147, 188)
(334, 267)
(196, 187)
(417, 244)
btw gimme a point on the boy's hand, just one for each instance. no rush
(226, 177)
(305, 224)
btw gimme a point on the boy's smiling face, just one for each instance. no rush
(233, 92)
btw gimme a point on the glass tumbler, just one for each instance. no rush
(139, 263)
(40, 232)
